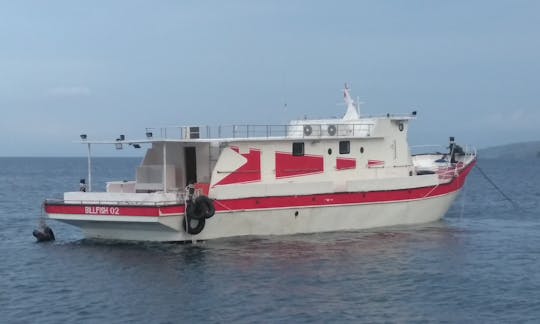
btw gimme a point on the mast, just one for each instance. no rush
(352, 113)
(89, 168)
(164, 167)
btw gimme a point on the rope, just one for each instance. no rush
(222, 205)
(432, 189)
(464, 195)
(41, 221)
(456, 173)
(187, 200)
(497, 187)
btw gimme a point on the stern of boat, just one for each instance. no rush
(125, 215)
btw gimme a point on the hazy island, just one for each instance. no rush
(523, 150)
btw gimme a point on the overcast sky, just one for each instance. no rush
(470, 68)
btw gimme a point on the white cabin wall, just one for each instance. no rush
(203, 152)
(150, 172)
(215, 151)
(151, 157)
(402, 147)
(175, 158)
(387, 144)
(395, 148)
(373, 149)
(176, 161)
(149, 175)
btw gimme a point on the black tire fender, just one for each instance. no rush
(202, 207)
(189, 227)
(207, 205)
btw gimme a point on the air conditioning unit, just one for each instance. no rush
(332, 130)
(308, 130)
(194, 132)
(191, 132)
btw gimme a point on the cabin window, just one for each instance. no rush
(344, 147)
(298, 149)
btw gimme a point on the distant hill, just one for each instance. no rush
(524, 150)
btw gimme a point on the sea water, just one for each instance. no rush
(481, 263)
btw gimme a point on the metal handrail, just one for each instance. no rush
(318, 129)
(468, 149)
(113, 202)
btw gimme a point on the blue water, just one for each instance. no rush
(481, 263)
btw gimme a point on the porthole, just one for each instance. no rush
(329, 151)
(362, 150)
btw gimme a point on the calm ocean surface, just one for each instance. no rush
(481, 263)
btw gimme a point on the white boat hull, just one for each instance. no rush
(282, 221)
(326, 219)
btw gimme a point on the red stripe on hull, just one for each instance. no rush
(257, 203)
(344, 198)
(114, 210)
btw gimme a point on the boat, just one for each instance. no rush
(307, 176)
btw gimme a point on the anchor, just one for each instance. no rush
(44, 233)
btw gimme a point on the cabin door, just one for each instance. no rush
(191, 164)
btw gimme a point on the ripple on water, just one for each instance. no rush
(477, 265)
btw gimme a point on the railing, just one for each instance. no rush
(444, 168)
(428, 149)
(113, 202)
(300, 130)
(439, 149)
(180, 198)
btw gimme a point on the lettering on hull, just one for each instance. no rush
(141, 211)
(98, 210)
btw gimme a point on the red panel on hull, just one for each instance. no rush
(248, 172)
(344, 198)
(288, 165)
(345, 163)
(375, 164)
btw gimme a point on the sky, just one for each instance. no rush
(470, 68)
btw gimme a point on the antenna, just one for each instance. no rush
(283, 88)
(358, 105)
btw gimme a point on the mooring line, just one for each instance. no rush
(497, 187)
(463, 198)
(222, 205)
